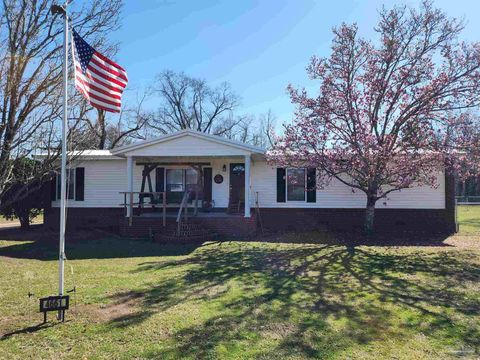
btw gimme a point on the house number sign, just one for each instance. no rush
(54, 303)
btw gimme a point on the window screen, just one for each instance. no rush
(175, 180)
(296, 184)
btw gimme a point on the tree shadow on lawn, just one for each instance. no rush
(356, 238)
(310, 300)
(43, 245)
(29, 330)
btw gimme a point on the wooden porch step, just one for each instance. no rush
(197, 228)
(174, 238)
(184, 239)
(189, 232)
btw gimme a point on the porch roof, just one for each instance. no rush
(187, 143)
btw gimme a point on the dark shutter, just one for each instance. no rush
(281, 184)
(53, 188)
(79, 184)
(311, 185)
(207, 184)
(160, 179)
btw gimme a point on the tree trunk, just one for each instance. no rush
(24, 222)
(370, 214)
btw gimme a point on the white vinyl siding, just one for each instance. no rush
(337, 195)
(105, 179)
(187, 146)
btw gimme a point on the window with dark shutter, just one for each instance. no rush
(79, 184)
(311, 185)
(70, 185)
(281, 184)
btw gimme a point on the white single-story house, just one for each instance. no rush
(130, 188)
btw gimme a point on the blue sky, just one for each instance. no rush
(258, 46)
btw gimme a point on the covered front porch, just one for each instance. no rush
(188, 174)
(187, 186)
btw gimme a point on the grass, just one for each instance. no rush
(4, 221)
(243, 300)
(469, 219)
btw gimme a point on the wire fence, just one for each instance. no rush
(468, 200)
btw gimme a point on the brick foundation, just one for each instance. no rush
(386, 220)
(236, 227)
(273, 219)
(78, 218)
(145, 227)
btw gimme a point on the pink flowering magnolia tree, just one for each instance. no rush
(391, 114)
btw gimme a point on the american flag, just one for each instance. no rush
(97, 77)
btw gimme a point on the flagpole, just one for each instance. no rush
(56, 9)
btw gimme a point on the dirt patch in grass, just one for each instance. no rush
(124, 306)
(6, 322)
(278, 331)
(459, 241)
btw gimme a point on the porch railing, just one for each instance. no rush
(128, 203)
(183, 206)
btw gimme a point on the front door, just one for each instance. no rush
(237, 183)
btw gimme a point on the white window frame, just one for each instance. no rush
(184, 175)
(183, 178)
(304, 188)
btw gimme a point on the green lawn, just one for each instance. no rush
(5, 221)
(37, 220)
(243, 300)
(469, 219)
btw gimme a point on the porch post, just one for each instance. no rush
(129, 185)
(247, 185)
